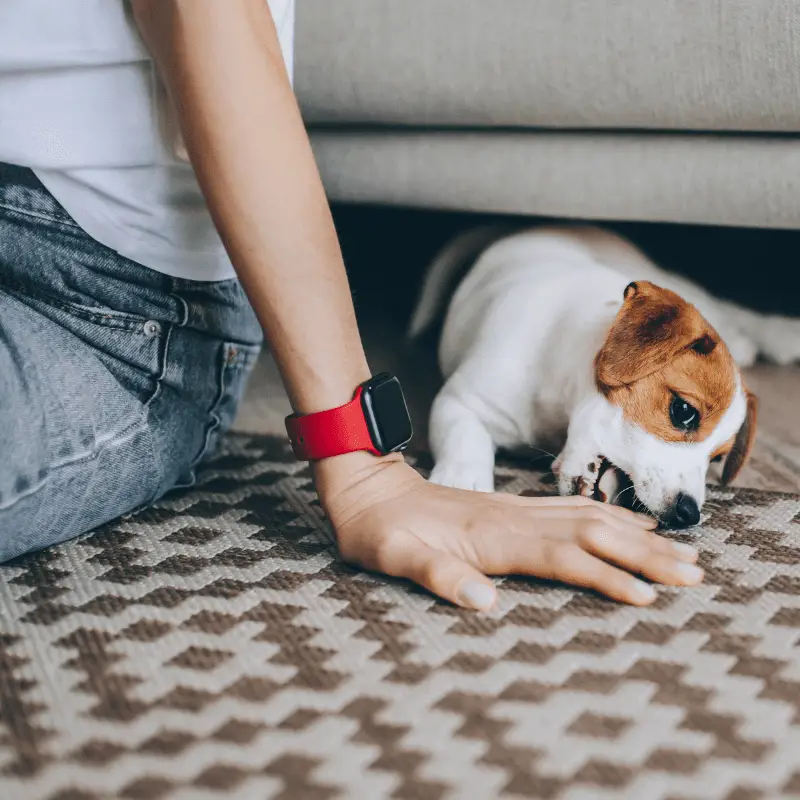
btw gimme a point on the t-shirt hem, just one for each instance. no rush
(205, 266)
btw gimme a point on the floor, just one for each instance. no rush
(214, 646)
(386, 251)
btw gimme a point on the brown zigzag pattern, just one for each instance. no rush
(214, 646)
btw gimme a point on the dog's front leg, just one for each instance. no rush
(577, 469)
(463, 450)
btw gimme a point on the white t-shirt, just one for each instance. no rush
(80, 103)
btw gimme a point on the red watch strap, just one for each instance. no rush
(330, 433)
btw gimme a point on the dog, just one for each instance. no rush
(570, 337)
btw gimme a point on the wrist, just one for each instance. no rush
(320, 393)
(351, 481)
(336, 473)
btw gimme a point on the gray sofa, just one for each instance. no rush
(651, 110)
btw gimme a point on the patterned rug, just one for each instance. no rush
(215, 647)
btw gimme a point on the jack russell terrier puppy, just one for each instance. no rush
(571, 336)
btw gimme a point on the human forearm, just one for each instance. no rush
(222, 65)
(223, 68)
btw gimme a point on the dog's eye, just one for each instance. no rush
(683, 416)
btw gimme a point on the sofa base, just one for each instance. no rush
(732, 180)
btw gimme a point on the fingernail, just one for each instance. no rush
(685, 549)
(644, 591)
(476, 595)
(689, 573)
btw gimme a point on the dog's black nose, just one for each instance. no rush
(684, 513)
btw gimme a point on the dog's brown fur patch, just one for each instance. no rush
(724, 449)
(743, 442)
(659, 346)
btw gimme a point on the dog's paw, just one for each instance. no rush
(743, 349)
(779, 338)
(581, 478)
(463, 475)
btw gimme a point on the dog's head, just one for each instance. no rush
(678, 402)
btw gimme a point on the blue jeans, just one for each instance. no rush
(116, 381)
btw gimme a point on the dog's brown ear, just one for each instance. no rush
(653, 326)
(743, 443)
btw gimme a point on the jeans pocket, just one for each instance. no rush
(105, 317)
(235, 365)
(238, 362)
(133, 353)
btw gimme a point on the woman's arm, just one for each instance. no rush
(223, 68)
(222, 65)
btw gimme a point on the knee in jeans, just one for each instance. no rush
(23, 457)
(24, 452)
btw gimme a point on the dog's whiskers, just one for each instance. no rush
(542, 451)
(619, 494)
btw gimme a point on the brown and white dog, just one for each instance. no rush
(571, 336)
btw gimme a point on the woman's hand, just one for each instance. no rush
(222, 66)
(389, 519)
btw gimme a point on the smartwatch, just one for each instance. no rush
(376, 420)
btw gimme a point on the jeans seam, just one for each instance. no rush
(27, 212)
(112, 320)
(20, 496)
(158, 458)
(213, 412)
(162, 372)
(226, 369)
(83, 458)
(184, 320)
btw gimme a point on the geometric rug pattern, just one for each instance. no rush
(214, 646)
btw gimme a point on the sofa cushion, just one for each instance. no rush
(721, 180)
(721, 65)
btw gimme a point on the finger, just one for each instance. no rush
(603, 515)
(680, 550)
(642, 555)
(440, 573)
(568, 521)
(576, 501)
(575, 566)
(565, 562)
(626, 516)
(599, 514)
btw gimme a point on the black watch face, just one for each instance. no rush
(386, 413)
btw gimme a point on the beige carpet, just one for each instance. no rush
(215, 647)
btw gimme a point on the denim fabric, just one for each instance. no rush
(116, 381)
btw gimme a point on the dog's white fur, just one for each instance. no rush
(518, 347)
